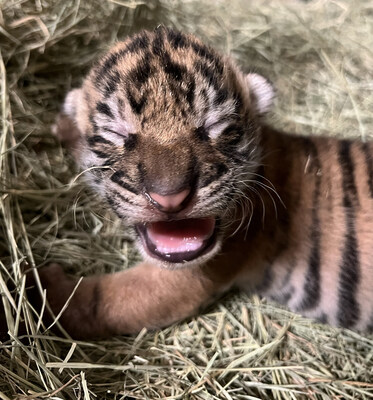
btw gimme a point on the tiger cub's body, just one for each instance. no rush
(216, 198)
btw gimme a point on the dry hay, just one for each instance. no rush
(318, 54)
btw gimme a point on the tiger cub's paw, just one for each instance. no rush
(58, 285)
(58, 288)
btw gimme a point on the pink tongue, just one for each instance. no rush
(180, 236)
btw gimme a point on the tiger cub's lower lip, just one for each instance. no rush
(178, 241)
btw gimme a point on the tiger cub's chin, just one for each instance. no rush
(179, 243)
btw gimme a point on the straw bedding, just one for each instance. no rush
(319, 55)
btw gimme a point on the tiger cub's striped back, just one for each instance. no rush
(316, 252)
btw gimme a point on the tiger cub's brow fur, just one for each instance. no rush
(162, 112)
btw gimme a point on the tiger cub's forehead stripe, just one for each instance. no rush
(208, 73)
(103, 108)
(173, 69)
(177, 39)
(110, 83)
(139, 42)
(142, 72)
(136, 105)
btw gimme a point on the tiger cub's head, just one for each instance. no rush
(168, 130)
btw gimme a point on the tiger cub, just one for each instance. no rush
(217, 199)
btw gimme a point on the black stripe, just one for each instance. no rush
(204, 52)
(110, 161)
(113, 205)
(223, 189)
(109, 63)
(283, 297)
(311, 286)
(228, 140)
(123, 199)
(107, 129)
(208, 73)
(100, 153)
(96, 139)
(221, 169)
(348, 169)
(117, 178)
(217, 171)
(205, 97)
(158, 42)
(130, 143)
(139, 42)
(177, 39)
(93, 123)
(103, 108)
(178, 96)
(190, 94)
(239, 103)
(137, 106)
(172, 68)
(369, 163)
(233, 129)
(141, 173)
(111, 202)
(141, 73)
(370, 325)
(322, 318)
(110, 83)
(267, 279)
(202, 134)
(221, 97)
(348, 308)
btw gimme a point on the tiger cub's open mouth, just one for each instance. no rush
(178, 241)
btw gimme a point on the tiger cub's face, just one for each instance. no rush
(169, 133)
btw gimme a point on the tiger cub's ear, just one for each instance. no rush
(65, 127)
(261, 92)
(71, 102)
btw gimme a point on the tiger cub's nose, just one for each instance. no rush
(169, 202)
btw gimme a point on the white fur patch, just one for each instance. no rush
(71, 100)
(113, 129)
(263, 91)
(216, 119)
(215, 130)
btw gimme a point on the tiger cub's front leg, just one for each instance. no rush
(125, 302)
